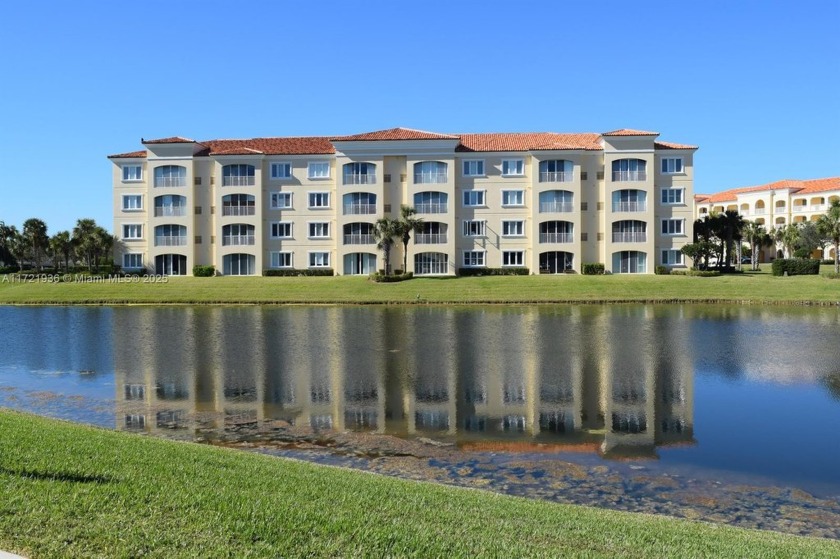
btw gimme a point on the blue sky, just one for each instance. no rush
(755, 84)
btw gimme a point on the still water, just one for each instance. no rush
(740, 392)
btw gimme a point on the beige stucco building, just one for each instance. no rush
(548, 202)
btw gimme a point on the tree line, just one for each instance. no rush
(87, 243)
(720, 236)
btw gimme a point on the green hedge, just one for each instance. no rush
(290, 273)
(796, 267)
(383, 278)
(465, 272)
(592, 269)
(204, 271)
(696, 273)
(662, 271)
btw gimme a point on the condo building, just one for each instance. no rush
(776, 204)
(548, 202)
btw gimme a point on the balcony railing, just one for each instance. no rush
(432, 208)
(630, 237)
(559, 176)
(170, 241)
(556, 207)
(800, 208)
(359, 209)
(556, 237)
(757, 211)
(430, 178)
(430, 238)
(359, 239)
(237, 240)
(629, 206)
(238, 181)
(818, 207)
(619, 176)
(238, 210)
(170, 181)
(174, 211)
(368, 178)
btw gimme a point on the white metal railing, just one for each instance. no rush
(800, 208)
(175, 211)
(432, 208)
(238, 210)
(629, 176)
(817, 208)
(560, 207)
(556, 237)
(237, 240)
(629, 206)
(427, 178)
(558, 176)
(757, 211)
(170, 241)
(238, 181)
(630, 237)
(359, 239)
(360, 178)
(430, 238)
(359, 209)
(170, 181)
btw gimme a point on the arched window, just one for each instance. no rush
(170, 205)
(430, 172)
(238, 204)
(431, 202)
(629, 170)
(629, 231)
(170, 175)
(359, 173)
(629, 200)
(557, 232)
(556, 170)
(556, 201)
(238, 234)
(238, 175)
(170, 235)
(359, 203)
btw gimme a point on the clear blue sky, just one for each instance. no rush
(755, 84)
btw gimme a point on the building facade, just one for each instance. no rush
(548, 202)
(775, 205)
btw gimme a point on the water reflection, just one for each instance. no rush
(618, 381)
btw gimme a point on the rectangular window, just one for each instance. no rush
(281, 230)
(474, 168)
(132, 172)
(513, 197)
(281, 200)
(673, 195)
(672, 257)
(132, 202)
(473, 258)
(281, 259)
(133, 261)
(319, 199)
(473, 197)
(672, 165)
(281, 170)
(673, 226)
(319, 259)
(513, 228)
(319, 230)
(474, 228)
(132, 231)
(319, 170)
(513, 167)
(513, 257)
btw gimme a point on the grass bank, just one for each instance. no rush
(75, 491)
(756, 288)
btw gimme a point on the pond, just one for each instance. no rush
(723, 395)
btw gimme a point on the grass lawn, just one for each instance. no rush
(758, 287)
(75, 491)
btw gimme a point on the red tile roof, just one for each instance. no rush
(629, 132)
(130, 154)
(395, 134)
(312, 145)
(671, 145)
(526, 141)
(798, 186)
(820, 185)
(170, 140)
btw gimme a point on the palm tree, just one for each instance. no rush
(384, 232)
(62, 245)
(35, 235)
(757, 237)
(829, 226)
(408, 225)
(103, 244)
(85, 241)
(732, 224)
(788, 236)
(7, 235)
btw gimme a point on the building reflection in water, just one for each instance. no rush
(614, 380)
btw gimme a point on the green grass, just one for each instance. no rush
(75, 491)
(743, 288)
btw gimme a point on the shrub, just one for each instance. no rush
(827, 262)
(662, 271)
(465, 272)
(592, 269)
(382, 278)
(801, 253)
(696, 273)
(299, 273)
(833, 275)
(796, 267)
(204, 271)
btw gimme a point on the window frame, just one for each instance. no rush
(139, 197)
(276, 165)
(125, 257)
(517, 161)
(466, 170)
(130, 238)
(664, 165)
(664, 195)
(465, 259)
(509, 204)
(310, 167)
(481, 228)
(312, 226)
(125, 174)
(665, 226)
(506, 222)
(468, 194)
(311, 253)
(319, 194)
(278, 194)
(289, 255)
(506, 256)
(664, 257)
(275, 226)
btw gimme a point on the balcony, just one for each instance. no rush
(623, 176)
(360, 178)
(238, 210)
(170, 241)
(238, 181)
(556, 237)
(238, 240)
(170, 181)
(170, 211)
(430, 239)
(359, 239)
(757, 211)
(556, 207)
(430, 178)
(559, 176)
(432, 208)
(629, 207)
(359, 209)
(630, 237)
